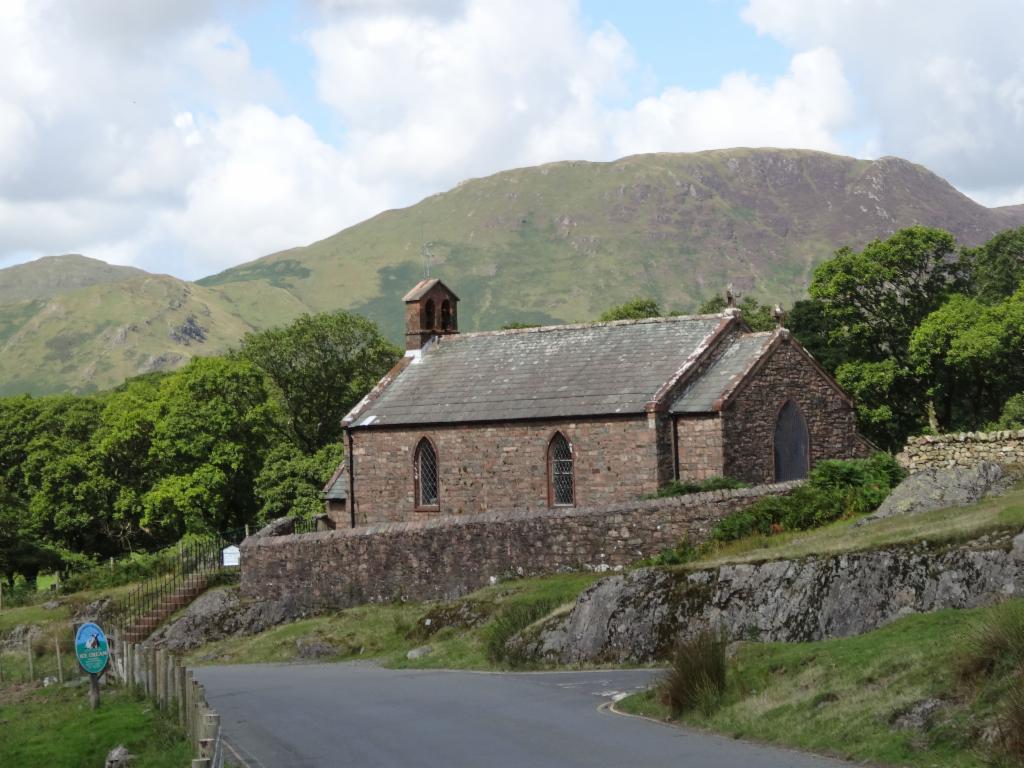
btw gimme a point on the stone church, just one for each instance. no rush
(580, 415)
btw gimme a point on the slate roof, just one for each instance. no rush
(741, 354)
(423, 286)
(559, 371)
(337, 486)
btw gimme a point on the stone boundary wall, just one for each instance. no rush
(443, 558)
(963, 449)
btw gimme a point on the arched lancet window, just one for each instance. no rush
(428, 314)
(561, 483)
(425, 474)
(446, 315)
(791, 444)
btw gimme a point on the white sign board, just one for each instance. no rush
(229, 556)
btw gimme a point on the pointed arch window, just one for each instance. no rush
(428, 315)
(447, 322)
(561, 480)
(425, 475)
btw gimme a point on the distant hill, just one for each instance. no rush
(97, 336)
(53, 275)
(552, 243)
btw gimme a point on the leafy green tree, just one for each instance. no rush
(634, 309)
(757, 315)
(809, 323)
(291, 481)
(321, 366)
(23, 548)
(873, 300)
(877, 388)
(869, 303)
(997, 267)
(950, 386)
(213, 423)
(1012, 415)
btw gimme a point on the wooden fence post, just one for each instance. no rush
(159, 678)
(151, 663)
(60, 665)
(211, 725)
(179, 691)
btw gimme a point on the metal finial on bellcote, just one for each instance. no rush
(780, 315)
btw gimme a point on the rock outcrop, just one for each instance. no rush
(941, 488)
(636, 617)
(222, 613)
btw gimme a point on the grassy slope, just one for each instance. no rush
(387, 632)
(955, 524)
(54, 275)
(54, 728)
(840, 697)
(563, 241)
(95, 337)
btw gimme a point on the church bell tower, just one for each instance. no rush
(431, 309)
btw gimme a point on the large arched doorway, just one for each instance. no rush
(791, 444)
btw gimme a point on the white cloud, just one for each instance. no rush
(146, 134)
(803, 108)
(940, 82)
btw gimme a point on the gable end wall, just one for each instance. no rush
(748, 421)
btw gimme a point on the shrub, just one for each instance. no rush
(509, 621)
(683, 487)
(696, 676)
(834, 489)
(1012, 416)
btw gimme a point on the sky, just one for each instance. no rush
(187, 136)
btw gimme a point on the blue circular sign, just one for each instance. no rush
(91, 648)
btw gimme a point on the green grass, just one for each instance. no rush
(950, 525)
(841, 696)
(386, 632)
(54, 728)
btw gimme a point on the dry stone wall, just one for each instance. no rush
(443, 558)
(964, 449)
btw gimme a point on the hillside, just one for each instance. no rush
(53, 275)
(97, 336)
(563, 241)
(558, 242)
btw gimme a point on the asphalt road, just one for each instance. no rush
(334, 715)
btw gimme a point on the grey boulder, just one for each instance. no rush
(940, 488)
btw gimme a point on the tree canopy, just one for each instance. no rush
(321, 366)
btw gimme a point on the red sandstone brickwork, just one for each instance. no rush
(699, 443)
(440, 558)
(749, 420)
(503, 466)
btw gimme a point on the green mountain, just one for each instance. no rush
(552, 243)
(53, 275)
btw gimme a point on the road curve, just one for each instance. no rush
(335, 715)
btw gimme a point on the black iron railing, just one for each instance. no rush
(147, 605)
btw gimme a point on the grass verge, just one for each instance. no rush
(462, 634)
(54, 728)
(892, 696)
(951, 525)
